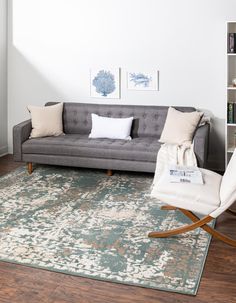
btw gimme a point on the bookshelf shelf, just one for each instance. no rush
(231, 54)
(231, 124)
(231, 88)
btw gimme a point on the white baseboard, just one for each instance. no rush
(10, 149)
(3, 151)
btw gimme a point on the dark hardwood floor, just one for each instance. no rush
(21, 284)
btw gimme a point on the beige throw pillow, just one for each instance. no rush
(179, 127)
(46, 120)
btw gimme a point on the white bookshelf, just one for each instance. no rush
(230, 141)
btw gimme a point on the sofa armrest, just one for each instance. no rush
(201, 142)
(21, 133)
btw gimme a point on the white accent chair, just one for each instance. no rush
(211, 199)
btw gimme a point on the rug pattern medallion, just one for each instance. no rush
(81, 222)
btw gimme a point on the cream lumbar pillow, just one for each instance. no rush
(46, 120)
(179, 127)
(111, 128)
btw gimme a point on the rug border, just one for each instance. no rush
(99, 278)
(204, 260)
(52, 269)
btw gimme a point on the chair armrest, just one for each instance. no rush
(21, 133)
(201, 142)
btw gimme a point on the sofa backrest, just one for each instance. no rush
(148, 120)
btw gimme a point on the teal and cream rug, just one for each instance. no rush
(83, 223)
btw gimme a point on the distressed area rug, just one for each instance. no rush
(84, 223)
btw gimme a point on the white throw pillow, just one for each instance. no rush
(46, 120)
(179, 127)
(111, 128)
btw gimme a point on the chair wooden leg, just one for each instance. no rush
(109, 172)
(232, 212)
(180, 230)
(197, 222)
(30, 167)
(168, 207)
(209, 229)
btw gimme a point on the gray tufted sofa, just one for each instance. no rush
(76, 149)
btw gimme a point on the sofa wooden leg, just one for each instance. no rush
(30, 167)
(109, 172)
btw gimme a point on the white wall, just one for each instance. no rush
(3, 78)
(53, 43)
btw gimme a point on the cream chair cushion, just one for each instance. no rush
(46, 120)
(202, 199)
(228, 184)
(228, 187)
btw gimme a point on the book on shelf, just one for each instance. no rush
(231, 43)
(230, 112)
(234, 112)
(185, 174)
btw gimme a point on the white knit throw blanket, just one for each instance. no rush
(172, 154)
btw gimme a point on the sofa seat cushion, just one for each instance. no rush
(138, 149)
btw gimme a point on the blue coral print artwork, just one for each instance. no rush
(142, 80)
(105, 83)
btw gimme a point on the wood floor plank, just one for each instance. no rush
(22, 284)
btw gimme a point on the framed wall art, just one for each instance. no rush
(105, 83)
